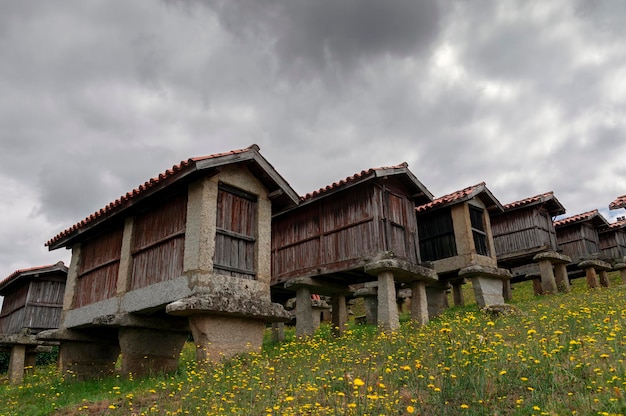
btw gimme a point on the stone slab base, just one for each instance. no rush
(219, 337)
(149, 351)
(487, 291)
(85, 360)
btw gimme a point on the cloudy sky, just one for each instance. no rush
(98, 96)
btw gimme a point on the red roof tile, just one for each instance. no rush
(60, 266)
(129, 197)
(620, 202)
(593, 215)
(360, 177)
(462, 195)
(618, 224)
(555, 207)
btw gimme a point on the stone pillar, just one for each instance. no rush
(548, 282)
(304, 312)
(487, 291)
(16, 363)
(220, 337)
(125, 270)
(371, 309)
(150, 351)
(506, 290)
(562, 279)
(604, 279)
(339, 314)
(278, 331)
(436, 300)
(388, 319)
(419, 303)
(537, 288)
(552, 266)
(457, 293)
(592, 277)
(369, 293)
(487, 283)
(85, 360)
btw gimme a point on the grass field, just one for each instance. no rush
(562, 355)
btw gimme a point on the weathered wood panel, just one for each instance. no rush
(340, 231)
(612, 244)
(522, 230)
(235, 237)
(12, 323)
(98, 268)
(16, 300)
(578, 242)
(42, 316)
(159, 243)
(46, 291)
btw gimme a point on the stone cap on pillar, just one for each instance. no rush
(21, 339)
(403, 271)
(136, 321)
(553, 256)
(234, 306)
(619, 266)
(66, 334)
(485, 271)
(596, 264)
(318, 286)
(366, 291)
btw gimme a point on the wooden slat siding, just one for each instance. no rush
(98, 268)
(523, 230)
(46, 291)
(578, 242)
(15, 300)
(402, 228)
(332, 233)
(39, 317)
(436, 235)
(298, 238)
(235, 237)
(12, 323)
(159, 242)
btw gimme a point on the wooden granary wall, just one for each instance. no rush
(33, 301)
(341, 231)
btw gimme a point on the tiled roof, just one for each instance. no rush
(462, 195)
(60, 266)
(618, 224)
(170, 174)
(593, 215)
(620, 202)
(363, 176)
(555, 206)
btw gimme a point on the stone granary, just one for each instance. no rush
(578, 239)
(455, 235)
(187, 250)
(358, 230)
(526, 244)
(613, 241)
(33, 299)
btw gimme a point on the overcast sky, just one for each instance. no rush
(98, 96)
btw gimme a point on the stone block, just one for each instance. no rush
(149, 351)
(487, 291)
(220, 337)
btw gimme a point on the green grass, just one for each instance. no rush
(563, 355)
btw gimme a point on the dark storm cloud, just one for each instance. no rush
(313, 37)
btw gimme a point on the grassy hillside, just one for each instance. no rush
(563, 354)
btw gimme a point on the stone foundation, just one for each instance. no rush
(221, 337)
(591, 267)
(147, 351)
(487, 283)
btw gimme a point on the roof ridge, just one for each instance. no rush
(150, 183)
(349, 179)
